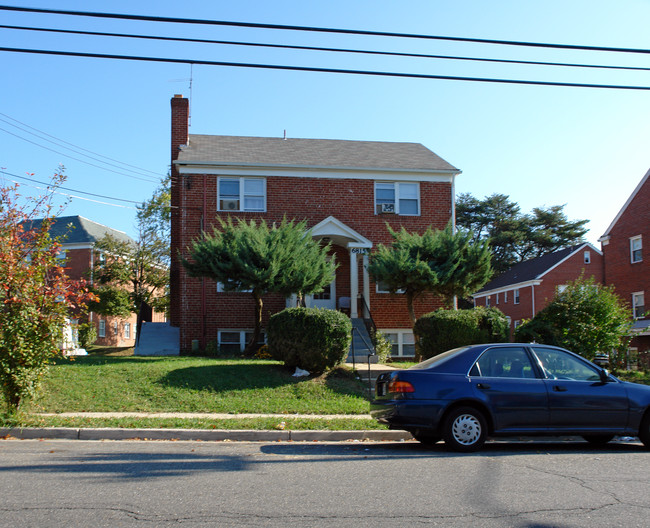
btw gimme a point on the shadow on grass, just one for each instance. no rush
(223, 378)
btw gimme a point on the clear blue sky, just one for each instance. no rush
(584, 148)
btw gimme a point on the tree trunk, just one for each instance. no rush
(251, 346)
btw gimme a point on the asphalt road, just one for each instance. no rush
(60, 483)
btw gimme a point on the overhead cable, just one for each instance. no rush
(324, 70)
(319, 48)
(284, 27)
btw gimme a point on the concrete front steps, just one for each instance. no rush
(158, 339)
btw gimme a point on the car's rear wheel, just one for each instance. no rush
(597, 439)
(465, 429)
(644, 431)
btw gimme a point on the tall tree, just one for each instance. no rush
(246, 256)
(515, 236)
(129, 274)
(442, 262)
(36, 295)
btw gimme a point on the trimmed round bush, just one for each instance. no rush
(313, 339)
(443, 330)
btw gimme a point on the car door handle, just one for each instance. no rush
(558, 388)
(482, 386)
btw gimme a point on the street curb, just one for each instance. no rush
(217, 435)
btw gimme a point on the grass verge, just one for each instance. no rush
(258, 424)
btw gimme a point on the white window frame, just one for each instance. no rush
(587, 257)
(101, 331)
(242, 337)
(379, 286)
(515, 295)
(634, 248)
(497, 303)
(127, 330)
(636, 304)
(505, 297)
(487, 301)
(400, 332)
(220, 289)
(241, 181)
(115, 328)
(396, 188)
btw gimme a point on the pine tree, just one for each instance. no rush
(246, 256)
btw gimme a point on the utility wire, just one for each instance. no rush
(72, 190)
(76, 149)
(323, 70)
(151, 180)
(320, 29)
(319, 48)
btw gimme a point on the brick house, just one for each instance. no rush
(347, 191)
(626, 266)
(78, 236)
(529, 286)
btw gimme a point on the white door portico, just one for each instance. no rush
(336, 232)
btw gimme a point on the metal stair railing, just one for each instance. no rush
(373, 353)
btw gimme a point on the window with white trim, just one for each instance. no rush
(505, 297)
(487, 301)
(398, 198)
(497, 298)
(102, 328)
(221, 289)
(636, 248)
(115, 328)
(587, 256)
(402, 341)
(382, 287)
(241, 194)
(234, 341)
(516, 296)
(638, 304)
(127, 330)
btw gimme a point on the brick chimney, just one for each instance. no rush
(180, 136)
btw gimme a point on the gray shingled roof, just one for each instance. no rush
(80, 230)
(322, 153)
(529, 270)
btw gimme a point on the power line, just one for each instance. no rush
(72, 190)
(324, 70)
(319, 48)
(151, 180)
(176, 20)
(76, 148)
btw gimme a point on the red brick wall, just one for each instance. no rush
(626, 277)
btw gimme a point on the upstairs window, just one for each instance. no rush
(516, 296)
(242, 194)
(397, 198)
(587, 257)
(638, 305)
(636, 246)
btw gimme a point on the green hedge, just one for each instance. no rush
(313, 339)
(446, 329)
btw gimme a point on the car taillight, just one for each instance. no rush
(400, 387)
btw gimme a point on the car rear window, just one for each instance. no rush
(439, 359)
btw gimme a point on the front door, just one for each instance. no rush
(324, 299)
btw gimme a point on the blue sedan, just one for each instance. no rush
(467, 394)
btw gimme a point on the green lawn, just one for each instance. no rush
(191, 384)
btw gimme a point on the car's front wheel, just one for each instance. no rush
(465, 429)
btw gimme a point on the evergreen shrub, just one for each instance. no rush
(443, 330)
(310, 338)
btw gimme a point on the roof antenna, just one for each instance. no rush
(285, 134)
(189, 114)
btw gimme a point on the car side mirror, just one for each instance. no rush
(604, 375)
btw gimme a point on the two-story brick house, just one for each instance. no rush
(529, 286)
(347, 191)
(78, 236)
(627, 266)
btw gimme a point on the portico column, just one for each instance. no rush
(366, 280)
(354, 284)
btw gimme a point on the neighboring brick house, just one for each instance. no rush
(347, 191)
(78, 235)
(529, 286)
(627, 266)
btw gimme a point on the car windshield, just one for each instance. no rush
(439, 359)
